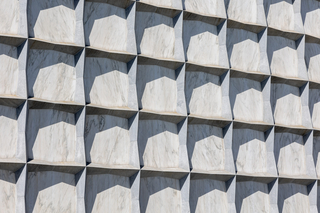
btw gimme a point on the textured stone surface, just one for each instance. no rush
(160, 106)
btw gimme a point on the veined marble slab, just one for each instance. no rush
(246, 99)
(158, 144)
(293, 198)
(201, 42)
(107, 140)
(287, 105)
(53, 21)
(9, 132)
(208, 196)
(105, 26)
(160, 194)
(51, 135)
(206, 148)
(50, 191)
(206, 7)
(108, 193)
(250, 151)
(9, 69)
(51, 75)
(252, 197)
(243, 50)
(10, 17)
(155, 35)
(106, 82)
(156, 88)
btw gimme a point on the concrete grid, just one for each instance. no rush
(160, 106)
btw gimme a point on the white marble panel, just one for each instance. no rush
(160, 194)
(310, 10)
(283, 56)
(252, 197)
(281, 15)
(155, 35)
(245, 11)
(206, 7)
(287, 109)
(7, 191)
(293, 198)
(314, 100)
(51, 75)
(316, 153)
(9, 16)
(201, 42)
(208, 196)
(105, 26)
(250, 151)
(312, 57)
(9, 132)
(246, 99)
(51, 135)
(158, 144)
(244, 51)
(9, 69)
(206, 148)
(156, 88)
(106, 82)
(107, 140)
(108, 193)
(292, 157)
(203, 94)
(53, 21)
(51, 192)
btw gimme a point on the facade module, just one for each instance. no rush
(160, 106)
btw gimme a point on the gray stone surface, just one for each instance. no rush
(160, 106)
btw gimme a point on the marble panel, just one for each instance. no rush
(287, 105)
(252, 197)
(246, 99)
(51, 136)
(290, 154)
(156, 88)
(105, 26)
(51, 75)
(208, 195)
(160, 194)
(206, 149)
(203, 94)
(108, 193)
(314, 106)
(8, 191)
(158, 144)
(206, 7)
(243, 50)
(250, 151)
(284, 15)
(9, 132)
(106, 82)
(201, 43)
(310, 11)
(54, 21)
(155, 35)
(283, 56)
(9, 69)
(312, 58)
(293, 198)
(10, 17)
(49, 191)
(107, 140)
(247, 11)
